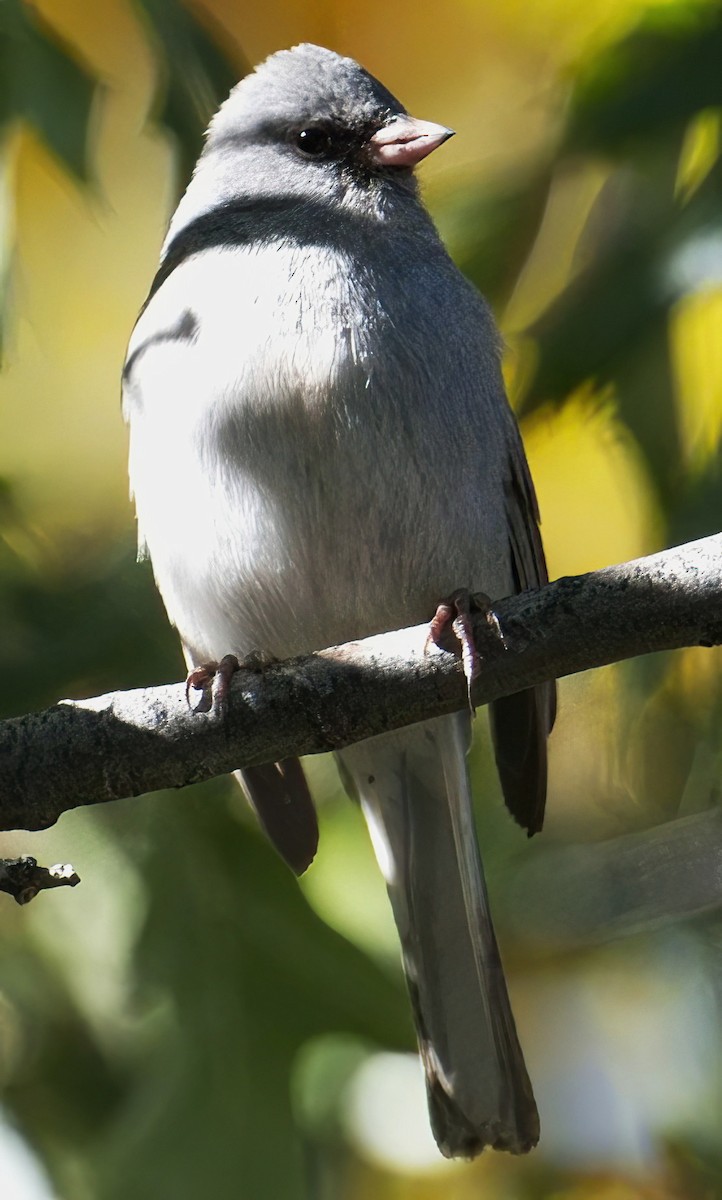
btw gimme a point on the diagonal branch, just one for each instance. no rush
(127, 743)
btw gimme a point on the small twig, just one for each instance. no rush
(22, 878)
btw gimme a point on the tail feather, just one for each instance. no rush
(278, 793)
(415, 793)
(520, 725)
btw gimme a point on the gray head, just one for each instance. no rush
(309, 123)
(305, 86)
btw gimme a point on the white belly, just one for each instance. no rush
(285, 503)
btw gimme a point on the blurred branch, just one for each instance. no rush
(22, 878)
(128, 743)
(574, 896)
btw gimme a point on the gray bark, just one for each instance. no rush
(127, 743)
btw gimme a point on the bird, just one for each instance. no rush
(321, 449)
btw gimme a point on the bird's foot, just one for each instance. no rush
(455, 614)
(213, 681)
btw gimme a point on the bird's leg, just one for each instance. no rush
(455, 613)
(212, 679)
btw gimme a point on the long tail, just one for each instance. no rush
(415, 793)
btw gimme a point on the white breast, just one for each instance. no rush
(284, 452)
(213, 533)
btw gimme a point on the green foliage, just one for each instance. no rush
(611, 324)
(235, 974)
(649, 86)
(196, 69)
(80, 631)
(45, 85)
(630, 107)
(493, 235)
(249, 975)
(43, 82)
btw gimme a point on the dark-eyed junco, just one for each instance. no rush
(321, 449)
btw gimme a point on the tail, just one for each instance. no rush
(415, 793)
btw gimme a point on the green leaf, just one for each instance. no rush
(197, 69)
(44, 83)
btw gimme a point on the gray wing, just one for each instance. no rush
(520, 724)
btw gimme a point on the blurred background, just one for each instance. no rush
(190, 1021)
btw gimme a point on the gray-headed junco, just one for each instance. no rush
(321, 449)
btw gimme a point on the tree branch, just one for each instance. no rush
(22, 878)
(568, 897)
(127, 743)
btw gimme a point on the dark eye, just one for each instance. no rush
(313, 141)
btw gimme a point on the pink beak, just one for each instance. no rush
(405, 141)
